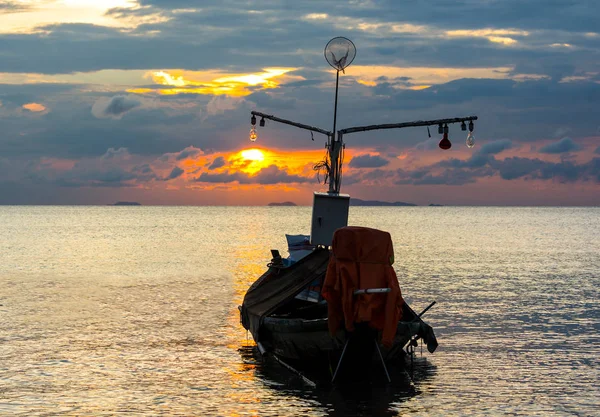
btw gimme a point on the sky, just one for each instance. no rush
(150, 100)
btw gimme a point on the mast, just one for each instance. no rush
(339, 53)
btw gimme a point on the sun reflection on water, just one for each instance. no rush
(107, 310)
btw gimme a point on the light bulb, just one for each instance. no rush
(470, 140)
(253, 135)
(445, 143)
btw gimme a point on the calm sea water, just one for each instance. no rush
(133, 310)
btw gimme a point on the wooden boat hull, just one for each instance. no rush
(297, 330)
(310, 340)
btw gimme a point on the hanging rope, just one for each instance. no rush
(322, 167)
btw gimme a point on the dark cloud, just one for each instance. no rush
(218, 162)
(224, 177)
(495, 147)
(227, 40)
(376, 174)
(480, 158)
(175, 173)
(81, 176)
(13, 7)
(187, 153)
(455, 14)
(144, 172)
(459, 172)
(517, 167)
(562, 146)
(113, 153)
(368, 161)
(267, 176)
(115, 107)
(68, 131)
(218, 36)
(533, 168)
(268, 101)
(423, 177)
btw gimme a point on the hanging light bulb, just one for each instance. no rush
(445, 143)
(463, 126)
(471, 136)
(470, 140)
(253, 120)
(262, 122)
(253, 135)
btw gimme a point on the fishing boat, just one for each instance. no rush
(335, 304)
(289, 318)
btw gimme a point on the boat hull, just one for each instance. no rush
(293, 328)
(310, 340)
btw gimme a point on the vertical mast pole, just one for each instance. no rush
(334, 148)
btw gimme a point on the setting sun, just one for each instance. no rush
(253, 155)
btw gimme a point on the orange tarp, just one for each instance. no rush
(362, 258)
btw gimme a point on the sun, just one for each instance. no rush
(253, 155)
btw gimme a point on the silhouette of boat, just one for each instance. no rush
(289, 319)
(337, 309)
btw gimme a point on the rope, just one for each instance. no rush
(323, 167)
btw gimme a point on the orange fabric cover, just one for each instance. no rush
(362, 258)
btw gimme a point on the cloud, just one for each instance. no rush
(224, 177)
(222, 104)
(266, 176)
(597, 151)
(368, 161)
(271, 101)
(114, 169)
(564, 145)
(34, 107)
(517, 167)
(495, 147)
(275, 175)
(481, 158)
(525, 103)
(188, 152)
(13, 7)
(460, 172)
(175, 173)
(424, 177)
(144, 172)
(120, 153)
(114, 107)
(421, 36)
(218, 162)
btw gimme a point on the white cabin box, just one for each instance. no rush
(330, 212)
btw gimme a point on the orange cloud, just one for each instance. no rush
(34, 107)
(212, 82)
(295, 162)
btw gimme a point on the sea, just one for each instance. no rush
(133, 311)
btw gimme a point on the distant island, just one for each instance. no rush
(359, 202)
(284, 204)
(436, 205)
(126, 203)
